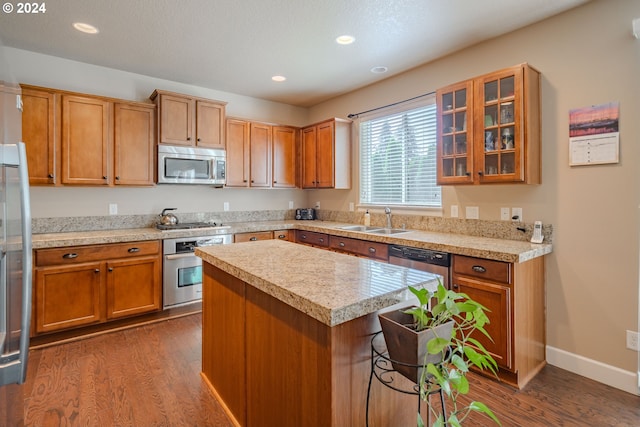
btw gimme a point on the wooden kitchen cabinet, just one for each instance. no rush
(189, 120)
(288, 235)
(284, 156)
(326, 155)
(252, 237)
(514, 296)
(85, 141)
(82, 285)
(362, 248)
(312, 238)
(134, 144)
(80, 139)
(40, 135)
(260, 154)
(489, 129)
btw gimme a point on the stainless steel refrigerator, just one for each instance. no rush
(15, 258)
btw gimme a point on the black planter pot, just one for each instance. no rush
(408, 348)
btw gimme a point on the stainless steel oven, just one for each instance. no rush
(182, 270)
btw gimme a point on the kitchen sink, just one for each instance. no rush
(388, 231)
(364, 228)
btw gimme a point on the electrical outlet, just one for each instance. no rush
(472, 212)
(290, 204)
(504, 214)
(454, 211)
(632, 340)
(225, 206)
(352, 207)
(516, 214)
(113, 209)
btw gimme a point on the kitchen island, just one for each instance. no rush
(287, 331)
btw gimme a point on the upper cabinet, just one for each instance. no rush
(326, 155)
(188, 120)
(260, 154)
(39, 132)
(79, 139)
(489, 129)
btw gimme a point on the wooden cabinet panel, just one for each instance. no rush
(85, 140)
(134, 143)
(176, 119)
(39, 135)
(260, 155)
(497, 299)
(284, 156)
(489, 129)
(379, 251)
(326, 155)
(210, 125)
(312, 238)
(288, 235)
(483, 269)
(133, 286)
(252, 237)
(80, 285)
(67, 296)
(237, 153)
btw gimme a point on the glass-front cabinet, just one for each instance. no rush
(455, 134)
(503, 144)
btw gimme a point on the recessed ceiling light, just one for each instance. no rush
(346, 39)
(278, 78)
(379, 70)
(85, 28)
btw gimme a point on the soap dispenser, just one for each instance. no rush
(367, 218)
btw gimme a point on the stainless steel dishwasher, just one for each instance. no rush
(422, 259)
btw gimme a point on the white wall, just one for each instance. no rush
(587, 56)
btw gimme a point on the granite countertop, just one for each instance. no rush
(333, 288)
(480, 247)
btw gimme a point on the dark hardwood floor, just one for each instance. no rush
(150, 376)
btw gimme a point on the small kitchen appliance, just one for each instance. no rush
(308, 213)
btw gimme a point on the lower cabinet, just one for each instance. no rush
(288, 235)
(83, 285)
(252, 237)
(515, 297)
(362, 248)
(312, 238)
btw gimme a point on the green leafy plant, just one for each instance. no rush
(459, 351)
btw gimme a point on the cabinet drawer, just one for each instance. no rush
(252, 237)
(283, 235)
(312, 238)
(496, 271)
(78, 254)
(360, 247)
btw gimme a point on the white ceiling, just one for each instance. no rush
(237, 45)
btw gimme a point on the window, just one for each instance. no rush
(398, 158)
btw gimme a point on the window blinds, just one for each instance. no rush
(398, 159)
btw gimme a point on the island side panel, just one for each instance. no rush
(288, 365)
(223, 340)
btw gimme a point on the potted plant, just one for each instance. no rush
(449, 319)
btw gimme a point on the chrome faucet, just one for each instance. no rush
(387, 211)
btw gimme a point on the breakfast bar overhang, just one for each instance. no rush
(287, 331)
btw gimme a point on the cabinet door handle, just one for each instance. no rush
(372, 250)
(253, 239)
(321, 240)
(133, 250)
(199, 140)
(50, 176)
(97, 270)
(341, 244)
(117, 178)
(281, 236)
(479, 269)
(110, 269)
(188, 138)
(104, 177)
(454, 286)
(303, 236)
(275, 182)
(70, 256)
(480, 173)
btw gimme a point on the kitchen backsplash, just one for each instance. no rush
(471, 227)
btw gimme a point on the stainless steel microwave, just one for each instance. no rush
(191, 165)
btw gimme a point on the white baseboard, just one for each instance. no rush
(597, 371)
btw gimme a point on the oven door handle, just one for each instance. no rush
(179, 256)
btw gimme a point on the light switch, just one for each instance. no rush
(113, 209)
(225, 206)
(505, 214)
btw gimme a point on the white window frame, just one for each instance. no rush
(390, 111)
